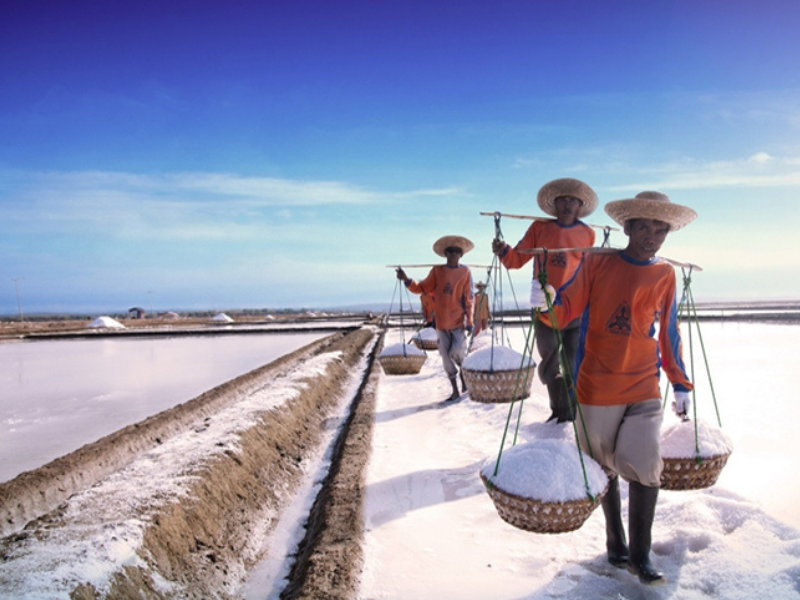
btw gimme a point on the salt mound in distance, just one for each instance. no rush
(105, 322)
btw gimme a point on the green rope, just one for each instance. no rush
(686, 282)
(527, 352)
(398, 293)
(417, 327)
(688, 309)
(568, 382)
(511, 407)
(563, 363)
(527, 357)
(503, 439)
(705, 356)
(402, 328)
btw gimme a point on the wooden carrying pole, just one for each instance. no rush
(533, 218)
(599, 250)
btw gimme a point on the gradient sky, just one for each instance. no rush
(218, 155)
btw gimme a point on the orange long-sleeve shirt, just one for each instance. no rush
(622, 303)
(452, 289)
(546, 233)
(481, 307)
(428, 307)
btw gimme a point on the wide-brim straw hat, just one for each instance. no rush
(651, 205)
(566, 186)
(457, 241)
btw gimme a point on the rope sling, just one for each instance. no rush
(688, 309)
(564, 365)
(398, 293)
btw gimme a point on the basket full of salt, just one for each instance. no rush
(402, 359)
(693, 460)
(498, 374)
(426, 339)
(540, 486)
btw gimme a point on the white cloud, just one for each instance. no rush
(760, 170)
(760, 157)
(201, 206)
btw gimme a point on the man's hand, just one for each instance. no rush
(682, 404)
(498, 246)
(539, 295)
(401, 275)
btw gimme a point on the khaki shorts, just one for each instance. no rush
(625, 439)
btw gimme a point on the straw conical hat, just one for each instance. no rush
(651, 205)
(447, 241)
(567, 186)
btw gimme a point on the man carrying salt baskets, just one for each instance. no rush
(568, 200)
(451, 286)
(620, 296)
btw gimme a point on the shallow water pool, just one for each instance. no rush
(58, 395)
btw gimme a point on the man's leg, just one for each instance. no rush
(638, 459)
(567, 403)
(458, 352)
(602, 424)
(446, 340)
(641, 512)
(616, 546)
(548, 369)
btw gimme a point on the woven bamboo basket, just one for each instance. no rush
(689, 474)
(398, 364)
(534, 515)
(499, 386)
(424, 344)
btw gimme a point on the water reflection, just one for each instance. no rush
(57, 395)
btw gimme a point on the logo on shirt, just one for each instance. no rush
(620, 321)
(559, 259)
(448, 289)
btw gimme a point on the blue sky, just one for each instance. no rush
(218, 155)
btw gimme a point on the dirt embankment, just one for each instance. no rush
(34, 493)
(201, 546)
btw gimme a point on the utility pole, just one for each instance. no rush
(19, 304)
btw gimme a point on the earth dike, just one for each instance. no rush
(202, 541)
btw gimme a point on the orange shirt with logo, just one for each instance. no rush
(549, 233)
(629, 329)
(452, 289)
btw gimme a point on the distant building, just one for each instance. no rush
(137, 312)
